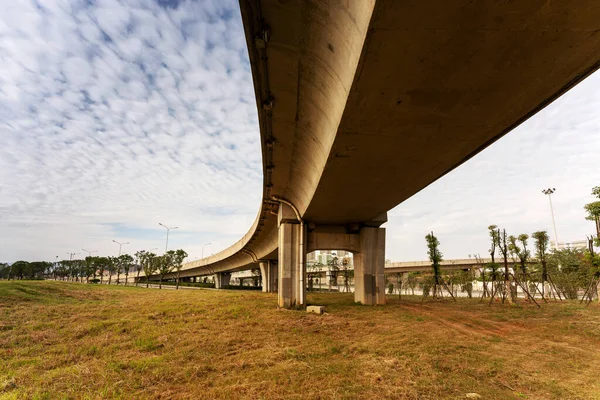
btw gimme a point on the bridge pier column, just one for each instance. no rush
(291, 292)
(268, 272)
(369, 265)
(222, 279)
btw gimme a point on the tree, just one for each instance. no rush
(520, 251)
(571, 270)
(140, 257)
(435, 256)
(111, 267)
(79, 268)
(522, 254)
(313, 271)
(346, 273)
(481, 268)
(399, 279)
(256, 277)
(101, 266)
(125, 262)
(593, 211)
(178, 258)
(150, 265)
(412, 281)
(493, 233)
(165, 265)
(19, 269)
(4, 270)
(333, 268)
(541, 241)
(89, 268)
(503, 246)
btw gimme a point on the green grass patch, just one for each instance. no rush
(68, 340)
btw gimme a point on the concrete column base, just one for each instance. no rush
(222, 280)
(268, 272)
(369, 266)
(291, 292)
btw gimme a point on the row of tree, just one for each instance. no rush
(568, 272)
(92, 267)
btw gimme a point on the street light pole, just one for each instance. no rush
(90, 252)
(120, 244)
(206, 244)
(549, 192)
(168, 229)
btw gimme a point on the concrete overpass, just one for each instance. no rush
(362, 104)
(464, 263)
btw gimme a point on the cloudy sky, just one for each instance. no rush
(115, 117)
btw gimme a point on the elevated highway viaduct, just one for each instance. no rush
(362, 104)
(464, 263)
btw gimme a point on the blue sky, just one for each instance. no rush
(115, 116)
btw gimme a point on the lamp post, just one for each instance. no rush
(549, 192)
(168, 229)
(206, 244)
(120, 245)
(90, 252)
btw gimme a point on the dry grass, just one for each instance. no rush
(61, 340)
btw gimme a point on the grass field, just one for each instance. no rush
(65, 340)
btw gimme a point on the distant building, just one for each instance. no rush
(326, 256)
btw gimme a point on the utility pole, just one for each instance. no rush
(168, 229)
(549, 192)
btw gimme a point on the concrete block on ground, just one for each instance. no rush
(315, 309)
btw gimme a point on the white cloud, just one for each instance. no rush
(117, 116)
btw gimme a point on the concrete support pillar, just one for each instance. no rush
(268, 272)
(292, 260)
(222, 279)
(369, 264)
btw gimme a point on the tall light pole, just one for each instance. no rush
(120, 245)
(206, 244)
(90, 252)
(168, 229)
(549, 192)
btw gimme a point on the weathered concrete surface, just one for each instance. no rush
(315, 309)
(369, 280)
(291, 292)
(222, 280)
(268, 272)
(361, 104)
